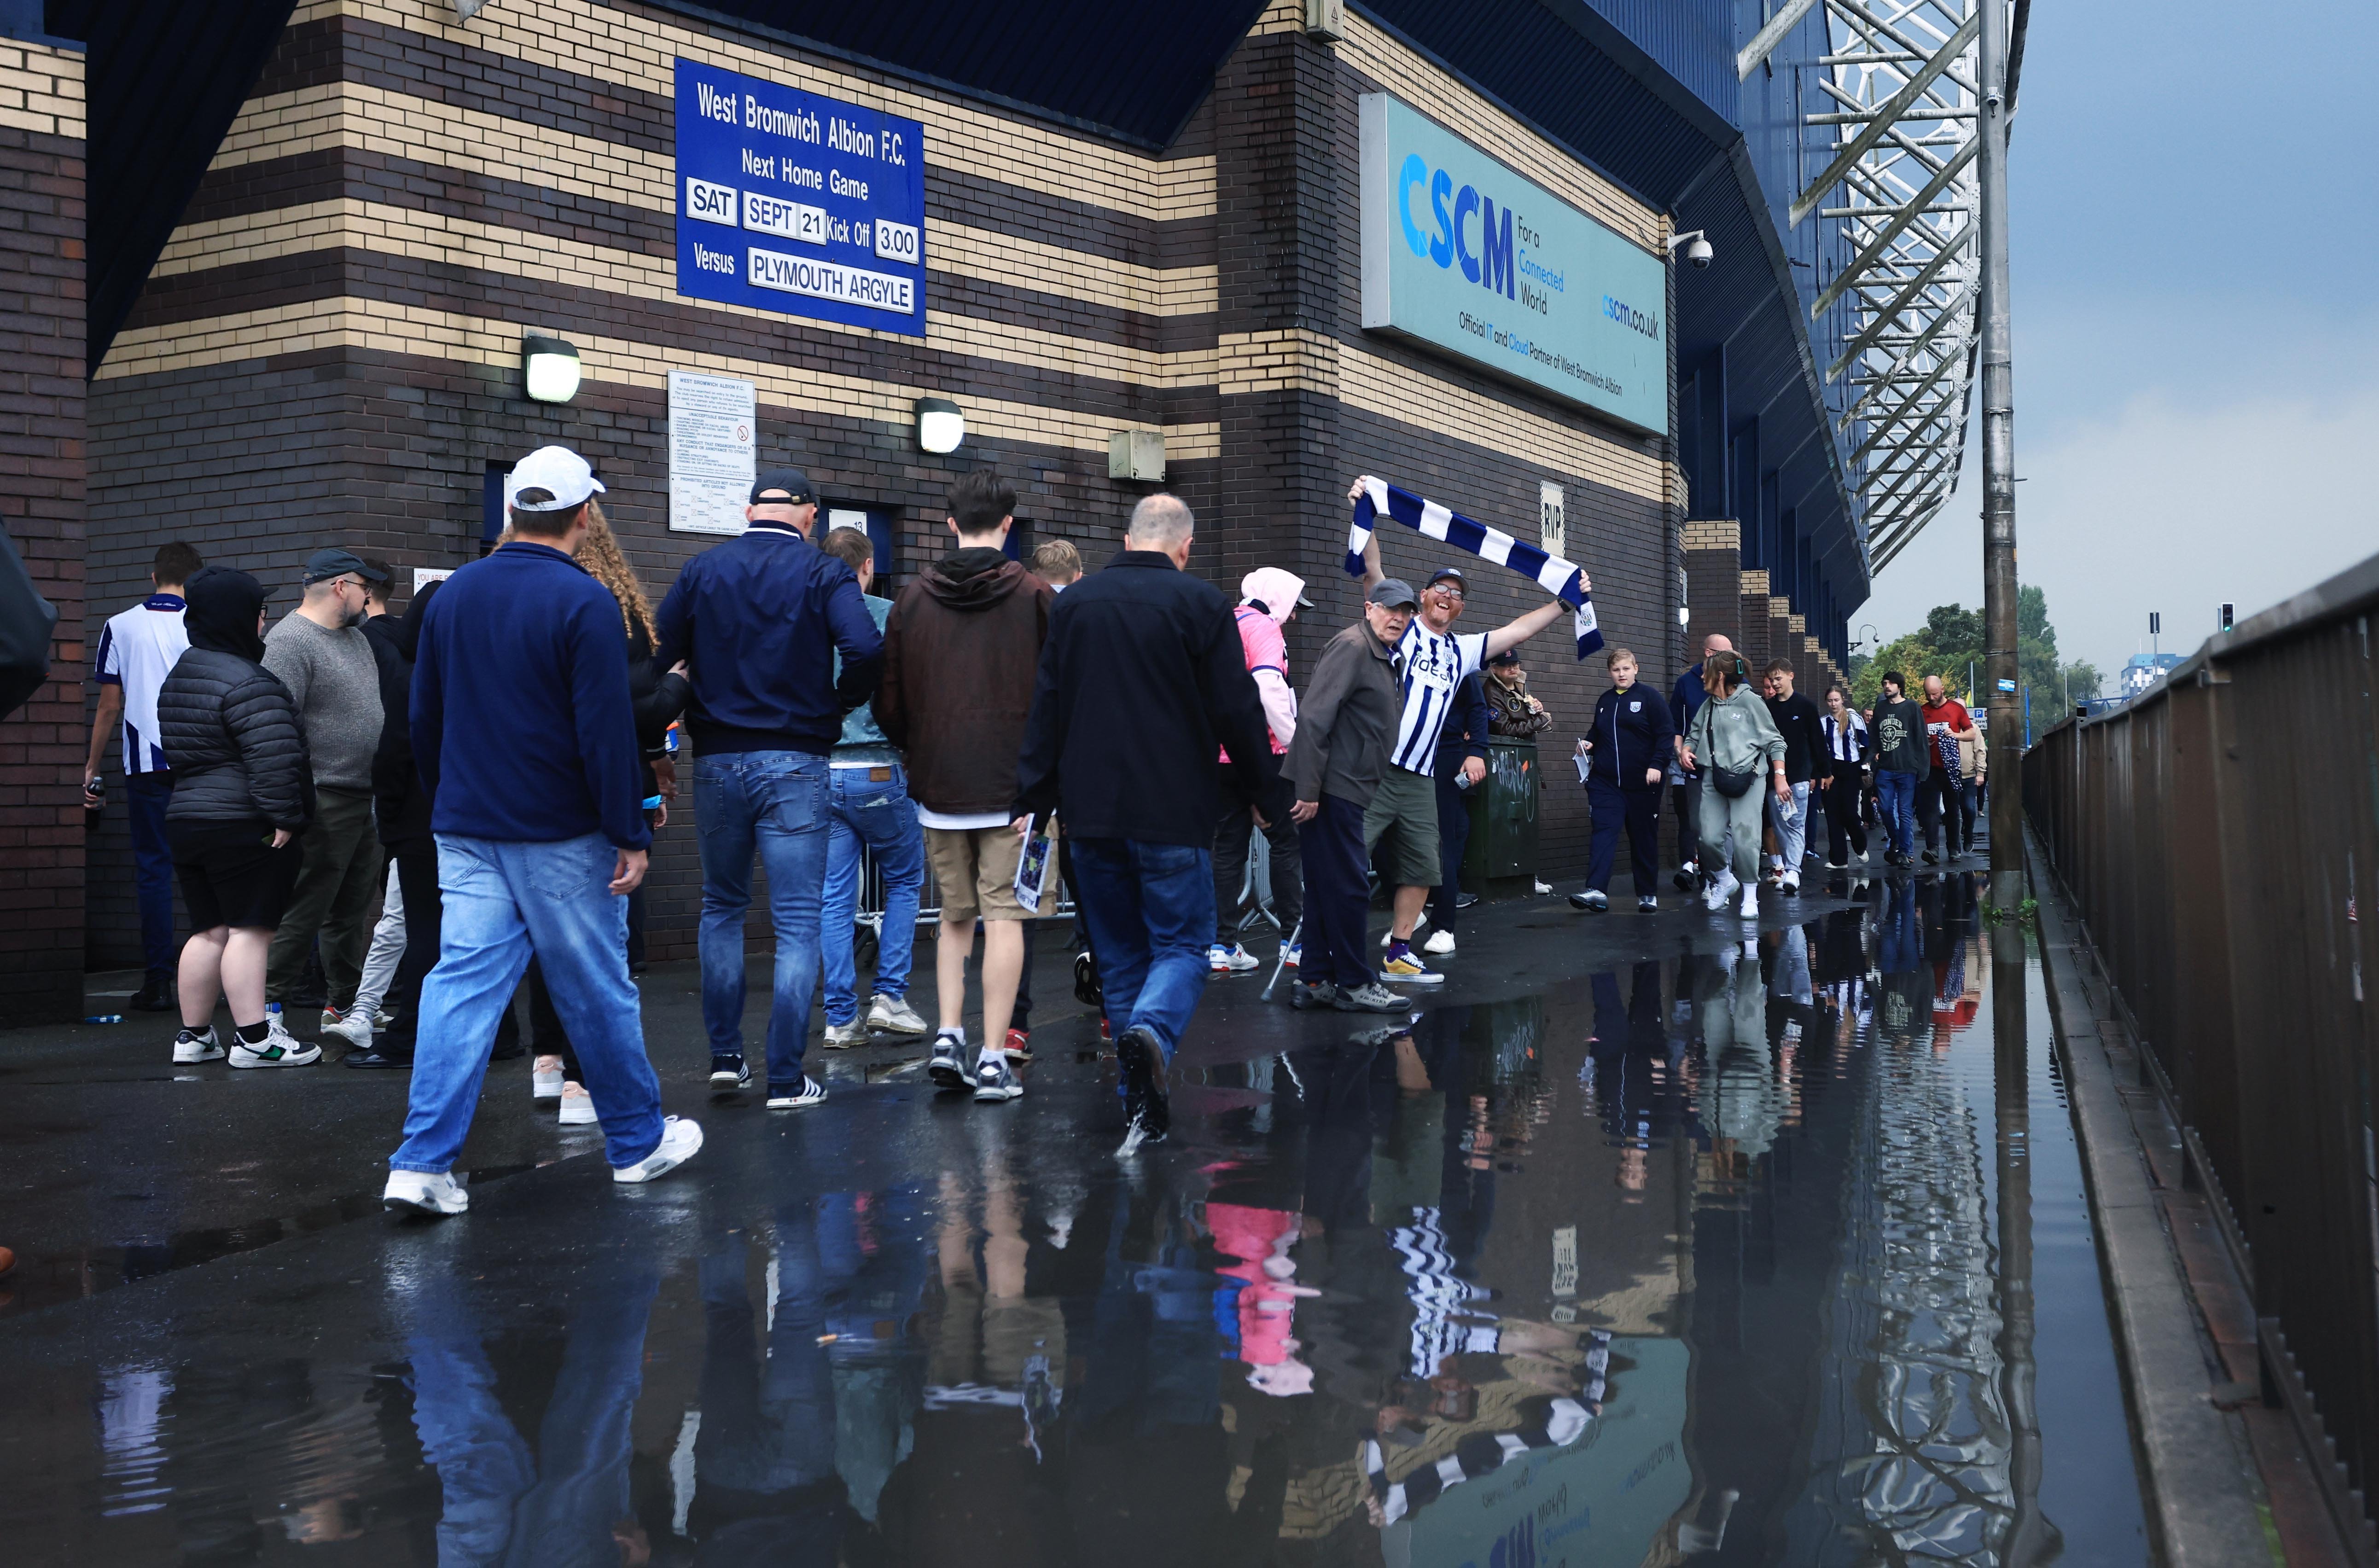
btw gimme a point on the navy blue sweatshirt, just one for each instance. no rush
(1632, 731)
(1456, 743)
(523, 729)
(758, 620)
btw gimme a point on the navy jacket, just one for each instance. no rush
(1143, 681)
(758, 620)
(523, 729)
(1633, 730)
(1689, 694)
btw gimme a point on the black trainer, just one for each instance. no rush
(1147, 1110)
(156, 994)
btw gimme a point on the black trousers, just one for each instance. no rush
(1686, 808)
(1232, 836)
(1844, 832)
(1937, 811)
(1453, 840)
(1636, 810)
(1337, 895)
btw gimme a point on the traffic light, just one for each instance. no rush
(2223, 617)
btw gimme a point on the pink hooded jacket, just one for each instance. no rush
(1267, 649)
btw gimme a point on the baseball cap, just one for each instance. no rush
(1509, 656)
(557, 470)
(1442, 572)
(1394, 593)
(792, 481)
(325, 564)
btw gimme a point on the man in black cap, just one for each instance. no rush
(321, 654)
(758, 620)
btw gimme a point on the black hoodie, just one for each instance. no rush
(399, 802)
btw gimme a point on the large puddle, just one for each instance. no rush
(1774, 1254)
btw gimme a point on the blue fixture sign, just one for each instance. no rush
(1464, 255)
(792, 202)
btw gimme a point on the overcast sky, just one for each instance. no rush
(2195, 209)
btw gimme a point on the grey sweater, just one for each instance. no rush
(337, 684)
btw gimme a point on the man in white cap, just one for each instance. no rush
(1269, 601)
(524, 737)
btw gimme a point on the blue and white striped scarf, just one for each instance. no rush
(1557, 576)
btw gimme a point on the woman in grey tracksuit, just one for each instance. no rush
(1734, 731)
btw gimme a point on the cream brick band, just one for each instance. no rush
(639, 52)
(42, 89)
(383, 326)
(538, 258)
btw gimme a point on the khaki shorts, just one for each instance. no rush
(1404, 810)
(976, 870)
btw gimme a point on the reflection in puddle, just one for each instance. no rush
(1704, 1259)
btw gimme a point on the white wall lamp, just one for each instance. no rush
(941, 425)
(550, 367)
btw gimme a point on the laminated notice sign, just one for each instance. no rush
(1032, 866)
(713, 427)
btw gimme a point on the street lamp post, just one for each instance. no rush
(1998, 471)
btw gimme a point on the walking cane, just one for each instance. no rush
(1283, 962)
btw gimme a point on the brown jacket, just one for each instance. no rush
(962, 652)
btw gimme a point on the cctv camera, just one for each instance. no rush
(1698, 253)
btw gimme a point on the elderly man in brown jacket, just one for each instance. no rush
(962, 652)
(1346, 724)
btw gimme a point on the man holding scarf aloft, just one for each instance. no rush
(1434, 662)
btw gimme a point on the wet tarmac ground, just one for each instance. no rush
(1650, 1241)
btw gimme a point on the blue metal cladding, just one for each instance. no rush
(1645, 92)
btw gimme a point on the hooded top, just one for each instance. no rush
(223, 605)
(400, 804)
(1267, 597)
(228, 726)
(962, 649)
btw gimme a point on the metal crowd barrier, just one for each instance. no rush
(2220, 837)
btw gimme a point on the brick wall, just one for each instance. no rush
(41, 507)
(328, 349)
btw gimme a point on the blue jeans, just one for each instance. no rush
(774, 802)
(877, 812)
(1152, 912)
(500, 901)
(146, 796)
(1792, 825)
(1895, 798)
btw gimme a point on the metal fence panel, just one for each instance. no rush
(2220, 835)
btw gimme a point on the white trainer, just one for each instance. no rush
(421, 1192)
(545, 1079)
(1750, 910)
(679, 1140)
(196, 1045)
(577, 1106)
(1420, 922)
(277, 1049)
(1440, 945)
(843, 1036)
(893, 1015)
(354, 1028)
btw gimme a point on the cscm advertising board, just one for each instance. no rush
(790, 202)
(1464, 255)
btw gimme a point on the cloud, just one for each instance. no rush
(2166, 505)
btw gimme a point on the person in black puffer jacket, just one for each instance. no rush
(244, 793)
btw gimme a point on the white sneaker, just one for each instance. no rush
(811, 1092)
(679, 1140)
(1714, 897)
(423, 1193)
(330, 1018)
(1750, 910)
(1419, 923)
(893, 1015)
(354, 1028)
(277, 1049)
(544, 1081)
(577, 1106)
(1543, 886)
(1440, 945)
(843, 1036)
(1241, 961)
(195, 1046)
(1296, 954)
(382, 1018)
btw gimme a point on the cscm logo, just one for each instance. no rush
(1455, 216)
